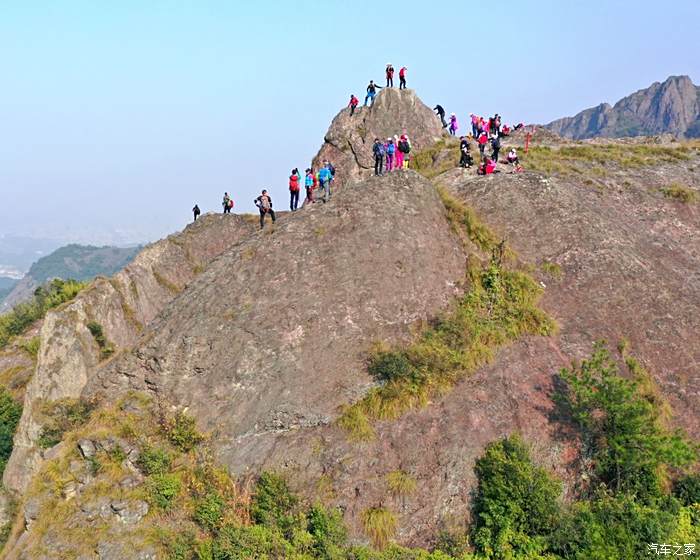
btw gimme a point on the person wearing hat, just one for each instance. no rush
(389, 75)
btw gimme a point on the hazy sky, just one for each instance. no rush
(120, 115)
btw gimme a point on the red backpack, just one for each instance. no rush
(294, 182)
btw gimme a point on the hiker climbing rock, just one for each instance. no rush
(378, 151)
(441, 113)
(371, 92)
(294, 188)
(353, 104)
(402, 77)
(196, 212)
(324, 180)
(465, 159)
(453, 124)
(389, 75)
(310, 185)
(227, 203)
(264, 204)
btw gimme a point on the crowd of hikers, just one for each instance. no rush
(392, 154)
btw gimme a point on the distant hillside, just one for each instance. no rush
(6, 285)
(670, 107)
(79, 262)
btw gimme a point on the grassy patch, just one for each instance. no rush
(499, 307)
(62, 416)
(437, 158)
(401, 484)
(679, 192)
(106, 347)
(465, 223)
(167, 284)
(552, 269)
(31, 346)
(379, 524)
(10, 413)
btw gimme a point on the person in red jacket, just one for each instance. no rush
(402, 78)
(353, 104)
(389, 75)
(294, 188)
(483, 140)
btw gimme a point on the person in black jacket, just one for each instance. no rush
(371, 92)
(196, 211)
(264, 204)
(441, 113)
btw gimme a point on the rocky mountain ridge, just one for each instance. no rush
(669, 107)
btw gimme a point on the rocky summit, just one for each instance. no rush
(353, 375)
(670, 107)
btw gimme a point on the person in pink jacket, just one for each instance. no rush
(398, 158)
(453, 124)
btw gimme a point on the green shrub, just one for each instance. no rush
(516, 502)
(209, 511)
(25, 314)
(163, 489)
(106, 347)
(687, 489)
(63, 416)
(257, 541)
(328, 531)
(620, 427)
(181, 431)
(273, 503)
(10, 413)
(393, 366)
(154, 460)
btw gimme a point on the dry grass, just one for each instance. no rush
(379, 525)
(681, 193)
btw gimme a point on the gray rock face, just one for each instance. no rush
(271, 339)
(669, 107)
(123, 306)
(348, 142)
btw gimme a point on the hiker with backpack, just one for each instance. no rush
(196, 212)
(379, 151)
(495, 147)
(398, 156)
(264, 204)
(371, 92)
(405, 149)
(389, 75)
(227, 203)
(453, 124)
(354, 101)
(390, 151)
(294, 188)
(402, 77)
(310, 184)
(324, 181)
(441, 113)
(482, 140)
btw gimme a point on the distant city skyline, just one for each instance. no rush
(119, 117)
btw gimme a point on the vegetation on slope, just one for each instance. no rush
(10, 413)
(499, 307)
(24, 315)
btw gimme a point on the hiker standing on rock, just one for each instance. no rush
(483, 139)
(264, 204)
(441, 113)
(196, 212)
(371, 92)
(475, 125)
(310, 184)
(324, 179)
(402, 78)
(389, 75)
(405, 149)
(390, 152)
(495, 148)
(465, 159)
(227, 203)
(354, 101)
(294, 188)
(398, 156)
(378, 151)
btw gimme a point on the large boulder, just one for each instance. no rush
(348, 142)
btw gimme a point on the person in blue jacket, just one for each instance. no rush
(324, 178)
